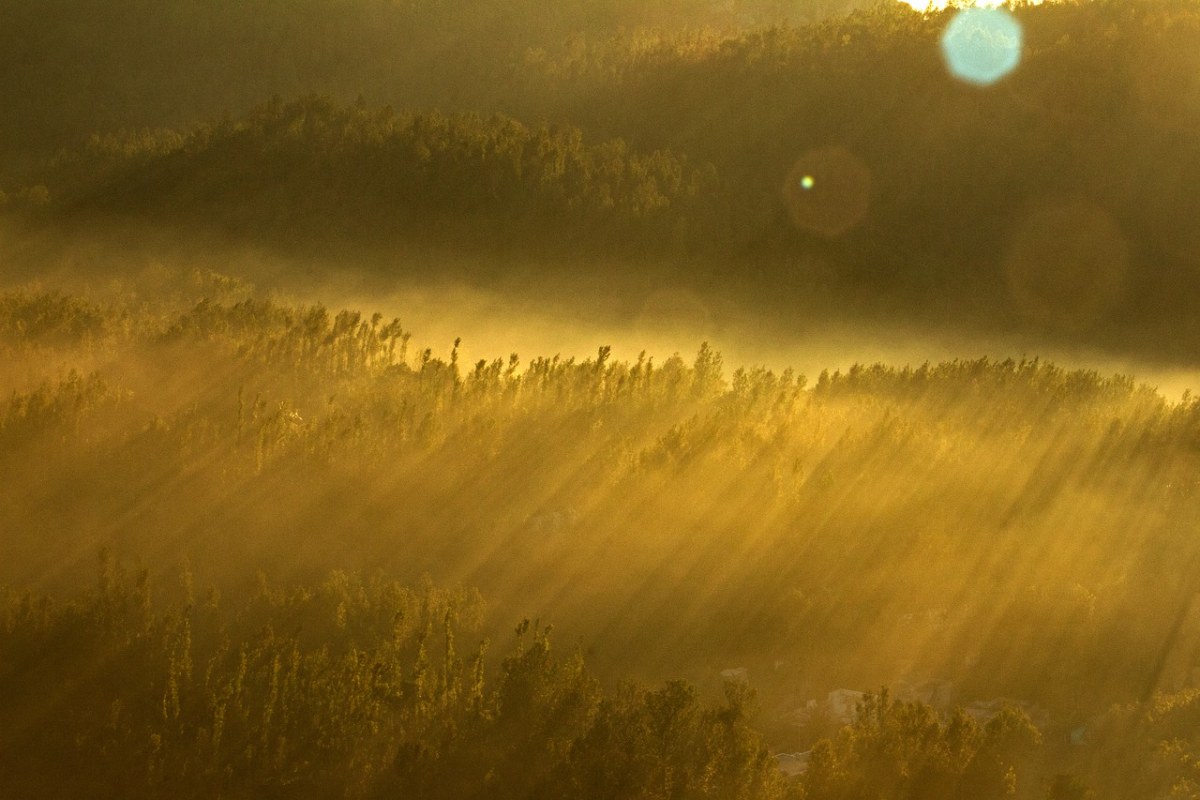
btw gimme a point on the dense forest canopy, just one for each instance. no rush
(264, 534)
(676, 518)
(75, 67)
(1057, 200)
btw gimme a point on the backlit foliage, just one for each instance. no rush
(672, 144)
(1009, 525)
(727, 551)
(346, 688)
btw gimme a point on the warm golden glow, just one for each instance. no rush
(942, 5)
(720, 399)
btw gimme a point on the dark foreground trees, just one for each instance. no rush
(349, 688)
(1024, 530)
(904, 750)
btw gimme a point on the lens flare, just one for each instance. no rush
(1066, 264)
(828, 191)
(982, 45)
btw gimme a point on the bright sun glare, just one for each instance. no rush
(941, 5)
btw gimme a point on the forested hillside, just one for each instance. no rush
(69, 68)
(310, 170)
(1017, 529)
(1059, 200)
(342, 689)
(268, 523)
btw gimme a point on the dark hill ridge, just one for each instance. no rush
(1061, 199)
(314, 168)
(72, 67)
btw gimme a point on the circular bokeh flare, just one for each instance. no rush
(982, 45)
(828, 191)
(1066, 264)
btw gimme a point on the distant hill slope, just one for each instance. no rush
(1064, 197)
(315, 170)
(71, 67)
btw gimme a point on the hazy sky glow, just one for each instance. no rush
(940, 5)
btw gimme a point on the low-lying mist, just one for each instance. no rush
(512, 304)
(675, 512)
(859, 505)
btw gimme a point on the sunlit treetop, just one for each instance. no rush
(942, 5)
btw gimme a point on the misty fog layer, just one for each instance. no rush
(972, 520)
(661, 400)
(839, 165)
